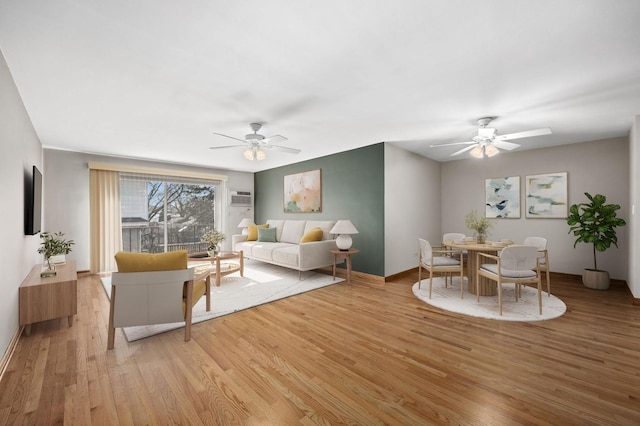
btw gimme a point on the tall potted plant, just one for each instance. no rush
(595, 223)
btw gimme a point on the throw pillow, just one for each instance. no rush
(253, 231)
(314, 234)
(267, 235)
(144, 262)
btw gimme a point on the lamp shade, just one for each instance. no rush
(244, 224)
(343, 228)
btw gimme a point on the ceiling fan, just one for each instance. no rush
(488, 143)
(257, 143)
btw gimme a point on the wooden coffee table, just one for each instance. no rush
(220, 269)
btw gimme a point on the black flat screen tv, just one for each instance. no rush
(33, 204)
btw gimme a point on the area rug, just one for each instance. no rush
(525, 309)
(262, 283)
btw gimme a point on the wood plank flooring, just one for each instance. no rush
(363, 353)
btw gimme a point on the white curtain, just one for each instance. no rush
(105, 226)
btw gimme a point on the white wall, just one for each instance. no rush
(66, 177)
(633, 280)
(412, 207)
(20, 150)
(594, 167)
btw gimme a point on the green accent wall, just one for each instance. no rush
(352, 188)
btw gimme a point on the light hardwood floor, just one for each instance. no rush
(360, 353)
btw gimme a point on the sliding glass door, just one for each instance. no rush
(166, 214)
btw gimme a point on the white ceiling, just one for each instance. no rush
(154, 78)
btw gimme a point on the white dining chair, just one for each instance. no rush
(440, 261)
(515, 264)
(543, 254)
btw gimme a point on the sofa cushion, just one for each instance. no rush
(286, 255)
(146, 262)
(273, 223)
(292, 231)
(253, 231)
(325, 225)
(314, 234)
(267, 235)
(264, 251)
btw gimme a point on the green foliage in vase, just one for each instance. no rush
(475, 222)
(213, 238)
(54, 244)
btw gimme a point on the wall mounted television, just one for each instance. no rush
(33, 203)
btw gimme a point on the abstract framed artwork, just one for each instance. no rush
(303, 192)
(502, 197)
(546, 195)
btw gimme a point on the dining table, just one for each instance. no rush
(481, 285)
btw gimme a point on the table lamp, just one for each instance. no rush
(343, 228)
(244, 224)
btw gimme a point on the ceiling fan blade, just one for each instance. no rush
(526, 134)
(505, 145)
(275, 138)
(285, 149)
(226, 146)
(465, 149)
(452, 144)
(230, 137)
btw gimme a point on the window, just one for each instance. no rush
(161, 214)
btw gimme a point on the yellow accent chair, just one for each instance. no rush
(155, 289)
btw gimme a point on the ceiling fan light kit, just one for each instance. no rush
(257, 144)
(488, 143)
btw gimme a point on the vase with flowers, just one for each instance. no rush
(213, 238)
(479, 224)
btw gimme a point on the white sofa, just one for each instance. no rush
(287, 251)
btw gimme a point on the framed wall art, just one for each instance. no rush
(546, 195)
(303, 192)
(502, 197)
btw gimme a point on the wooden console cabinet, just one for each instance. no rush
(42, 299)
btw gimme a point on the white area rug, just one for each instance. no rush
(525, 309)
(262, 283)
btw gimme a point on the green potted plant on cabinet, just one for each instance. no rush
(595, 223)
(53, 245)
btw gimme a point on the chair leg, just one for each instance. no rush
(540, 296)
(419, 274)
(548, 284)
(188, 311)
(430, 282)
(500, 296)
(111, 331)
(461, 285)
(208, 290)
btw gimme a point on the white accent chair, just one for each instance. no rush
(543, 254)
(164, 293)
(445, 263)
(515, 264)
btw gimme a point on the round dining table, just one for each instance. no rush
(481, 284)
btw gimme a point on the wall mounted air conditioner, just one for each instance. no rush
(239, 198)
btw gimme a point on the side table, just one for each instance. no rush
(337, 254)
(42, 299)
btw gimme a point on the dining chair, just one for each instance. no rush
(515, 264)
(453, 236)
(440, 261)
(543, 254)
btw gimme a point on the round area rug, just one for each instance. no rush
(525, 309)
